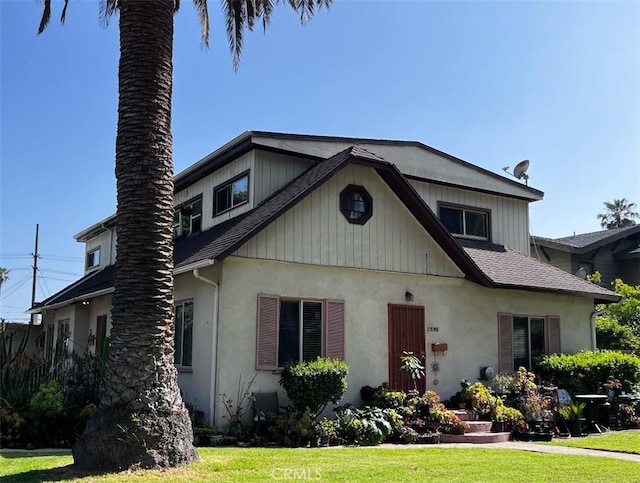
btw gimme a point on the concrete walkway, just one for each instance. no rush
(547, 448)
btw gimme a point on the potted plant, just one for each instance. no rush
(572, 413)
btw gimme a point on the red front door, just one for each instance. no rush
(406, 333)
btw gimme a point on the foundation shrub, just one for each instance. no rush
(585, 372)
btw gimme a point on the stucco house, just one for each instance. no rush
(294, 246)
(614, 253)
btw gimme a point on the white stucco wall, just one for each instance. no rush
(464, 314)
(196, 382)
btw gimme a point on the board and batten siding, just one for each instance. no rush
(206, 185)
(272, 171)
(315, 232)
(509, 216)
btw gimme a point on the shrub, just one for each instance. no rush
(483, 403)
(507, 414)
(367, 426)
(586, 371)
(312, 385)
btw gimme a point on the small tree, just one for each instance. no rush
(413, 367)
(312, 385)
(618, 328)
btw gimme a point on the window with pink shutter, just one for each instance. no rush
(522, 338)
(295, 329)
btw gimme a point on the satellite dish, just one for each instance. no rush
(520, 171)
(581, 273)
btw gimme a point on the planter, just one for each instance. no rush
(575, 427)
(498, 427)
(428, 439)
(532, 436)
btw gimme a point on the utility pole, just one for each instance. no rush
(35, 274)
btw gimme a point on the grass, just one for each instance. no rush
(622, 441)
(415, 463)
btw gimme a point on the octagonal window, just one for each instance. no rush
(355, 204)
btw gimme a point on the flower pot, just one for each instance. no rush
(575, 427)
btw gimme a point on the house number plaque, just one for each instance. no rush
(432, 328)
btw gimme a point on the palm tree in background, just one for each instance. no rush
(4, 277)
(619, 214)
(142, 420)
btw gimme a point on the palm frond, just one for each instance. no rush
(243, 13)
(63, 15)
(264, 10)
(235, 18)
(107, 8)
(203, 16)
(46, 16)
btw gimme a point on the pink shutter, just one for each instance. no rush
(334, 329)
(552, 335)
(505, 342)
(267, 333)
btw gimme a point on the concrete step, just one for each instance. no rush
(466, 415)
(479, 426)
(475, 438)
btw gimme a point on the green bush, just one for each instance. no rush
(367, 426)
(586, 371)
(312, 385)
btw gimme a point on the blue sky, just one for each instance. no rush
(556, 82)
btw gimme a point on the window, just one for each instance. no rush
(102, 342)
(231, 194)
(355, 204)
(183, 334)
(63, 334)
(522, 339)
(465, 221)
(300, 331)
(93, 258)
(48, 350)
(297, 329)
(187, 218)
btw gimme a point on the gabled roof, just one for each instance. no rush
(514, 270)
(210, 246)
(585, 242)
(95, 283)
(488, 265)
(316, 148)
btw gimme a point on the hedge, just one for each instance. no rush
(586, 371)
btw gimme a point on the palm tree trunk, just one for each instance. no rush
(142, 420)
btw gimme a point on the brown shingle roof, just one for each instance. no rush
(510, 269)
(584, 242)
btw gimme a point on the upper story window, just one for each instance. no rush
(93, 258)
(356, 204)
(231, 194)
(467, 222)
(187, 218)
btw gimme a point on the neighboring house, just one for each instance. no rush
(13, 335)
(614, 253)
(295, 246)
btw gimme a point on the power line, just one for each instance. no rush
(60, 272)
(61, 258)
(4, 296)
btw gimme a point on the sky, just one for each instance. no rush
(556, 82)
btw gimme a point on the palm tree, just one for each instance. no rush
(142, 419)
(619, 214)
(4, 277)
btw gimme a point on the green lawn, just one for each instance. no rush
(623, 441)
(417, 463)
